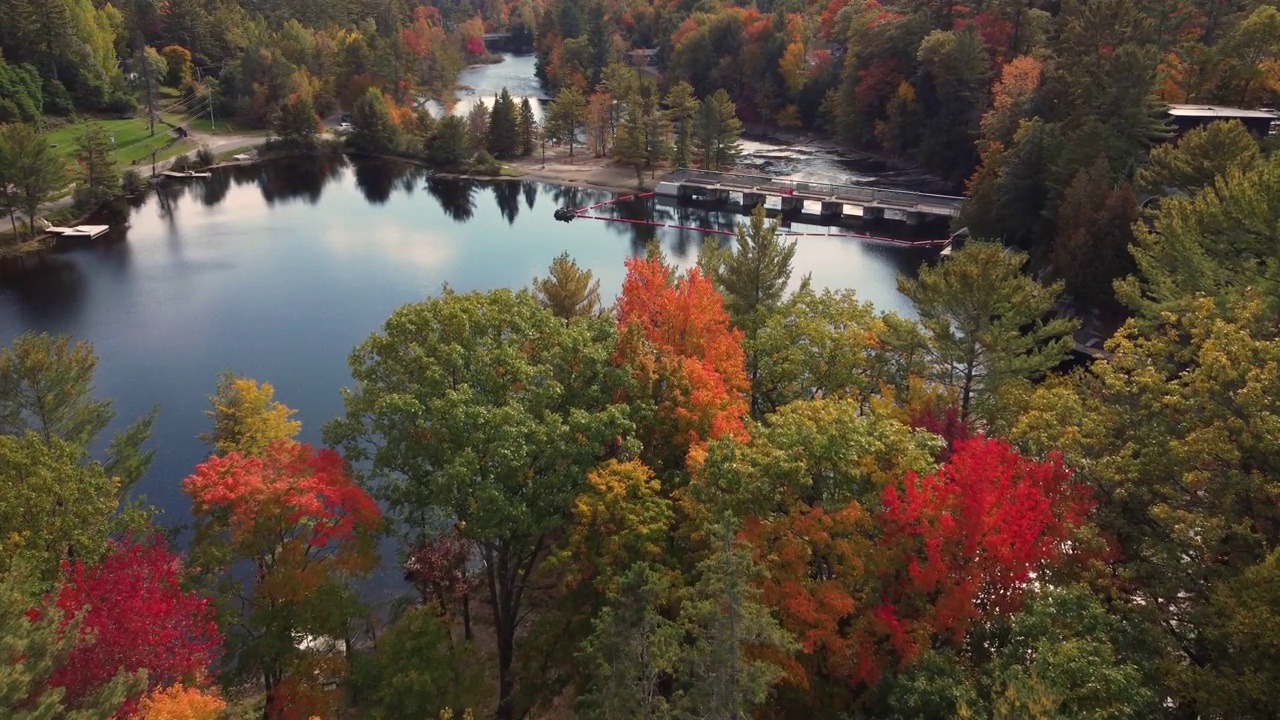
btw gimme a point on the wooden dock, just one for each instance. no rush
(79, 231)
(183, 175)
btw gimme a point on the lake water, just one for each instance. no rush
(277, 271)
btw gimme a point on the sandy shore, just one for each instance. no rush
(585, 171)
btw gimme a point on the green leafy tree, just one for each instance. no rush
(824, 344)
(451, 145)
(99, 176)
(178, 61)
(568, 291)
(52, 503)
(34, 645)
(1198, 157)
(478, 125)
(418, 670)
(375, 130)
(528, 128)
(46, 387)
(487, 408)
(719, 131)
(682, 110)
(1062, 656)
(297, 123)
(504, 127)
(986, 322)
(1219, 243)
(566, 116)
(630, 142)
(1174, 432)
(35, 171)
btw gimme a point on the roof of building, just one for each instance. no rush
(1218, 111)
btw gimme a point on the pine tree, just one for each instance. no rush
(504, 127)
(985, 322)
(36, 172)
(719, 130)
(99, 178)
(566, 115)
(34, 646)
(681, 109)
(629, 142)
(528, 128)
(753, 278)
(568, 290)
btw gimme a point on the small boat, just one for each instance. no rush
(565, 214)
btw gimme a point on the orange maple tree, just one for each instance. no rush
(675, 336)
(180, 702)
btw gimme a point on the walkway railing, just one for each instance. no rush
(814, 190)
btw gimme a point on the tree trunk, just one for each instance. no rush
(466, 616)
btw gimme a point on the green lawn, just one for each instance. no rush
(215, 127)
(133, 138)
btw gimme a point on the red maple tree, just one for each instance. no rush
(677, 340)
(137, 617)
(295, 513)
(962, 543)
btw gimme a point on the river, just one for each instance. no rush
(276, 271)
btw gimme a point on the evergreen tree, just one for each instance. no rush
(297, 123)
(566, 116)
(753, 277)
(478, 125)
(719, 130)
(682, 110)
(1095, 228)
(99, 176)
(985, 322)
(568, 291)
(1197, 158)
(35, 171)
(375, 131)
(629, 143)
(504, 141)
(528, 128)
(20, 94)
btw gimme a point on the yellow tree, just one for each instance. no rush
(246, 417)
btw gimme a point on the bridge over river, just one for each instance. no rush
(830, 201)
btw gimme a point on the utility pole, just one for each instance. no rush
(208, 95)
(151, 92)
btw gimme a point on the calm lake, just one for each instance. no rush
(277, 271)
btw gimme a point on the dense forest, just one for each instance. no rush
(714, 497)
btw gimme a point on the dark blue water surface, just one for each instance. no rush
(277, 271)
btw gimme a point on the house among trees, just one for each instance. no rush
(1259, 123)
(643, 57)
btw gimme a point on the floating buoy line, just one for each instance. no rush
(567, 214)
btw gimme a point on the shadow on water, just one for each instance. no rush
(456, 197)
(508, 196)
(377, 178)
(301, 177)
(48, 291)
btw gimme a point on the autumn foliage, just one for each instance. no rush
(179, 702)
(138, 617)
(291, 501)
(676, 338)
(961, 544)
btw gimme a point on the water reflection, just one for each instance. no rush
(456, 197)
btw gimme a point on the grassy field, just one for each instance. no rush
(133, 138)
(204, 125)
